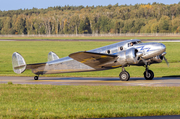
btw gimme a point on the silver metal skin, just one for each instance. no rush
(18, 62)
(121, 54)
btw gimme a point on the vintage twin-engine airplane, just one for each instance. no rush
(121, 54)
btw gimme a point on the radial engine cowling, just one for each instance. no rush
(127, 57)
(159, 58)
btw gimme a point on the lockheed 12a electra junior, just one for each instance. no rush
(121, 54)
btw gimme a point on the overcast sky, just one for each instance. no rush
(21, 4)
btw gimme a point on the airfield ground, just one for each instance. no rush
(94, 81)
(50, 101)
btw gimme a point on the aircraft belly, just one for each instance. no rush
(65, 67)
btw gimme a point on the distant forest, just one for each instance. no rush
(111, 19)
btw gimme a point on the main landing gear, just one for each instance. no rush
(124, 75)
(148, 74)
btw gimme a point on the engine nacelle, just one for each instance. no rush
(158, 58)
(127, 57)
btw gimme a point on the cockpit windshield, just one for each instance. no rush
(138, 42)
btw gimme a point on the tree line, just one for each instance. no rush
(138, 18)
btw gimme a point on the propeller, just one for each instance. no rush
(164, 58)
(166, 61)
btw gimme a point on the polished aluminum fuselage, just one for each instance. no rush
(67, 64)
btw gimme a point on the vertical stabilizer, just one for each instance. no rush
(52, 56)
(18, 63)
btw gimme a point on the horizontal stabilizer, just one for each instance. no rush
(92, 59)
(34, 66)
(18, 63)
(52, 56)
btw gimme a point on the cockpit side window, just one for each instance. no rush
(131, 44)
(134, 43)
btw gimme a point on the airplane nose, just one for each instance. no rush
(162, 47)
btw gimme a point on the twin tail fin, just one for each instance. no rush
(19, 65)
(52, 56)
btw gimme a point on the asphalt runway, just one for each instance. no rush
(163, 81)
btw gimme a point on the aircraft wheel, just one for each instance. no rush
(36, 78)
(149, 75)
(124, 76)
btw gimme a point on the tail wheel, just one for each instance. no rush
(124, 76)
(149, 75)
(36, 78)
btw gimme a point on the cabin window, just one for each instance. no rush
(108, 51)
(121, 48)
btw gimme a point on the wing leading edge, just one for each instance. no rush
(95, 60)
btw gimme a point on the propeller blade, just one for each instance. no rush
(166, 61)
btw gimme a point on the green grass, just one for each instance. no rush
(48, 101)
(90, 37)
(37, 51)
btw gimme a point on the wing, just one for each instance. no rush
(95, 60)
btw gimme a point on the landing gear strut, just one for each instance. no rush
(124, 75)
(148, 74)
(36, 77)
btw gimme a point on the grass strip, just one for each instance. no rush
(48, 101)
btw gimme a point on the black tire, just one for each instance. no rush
(124, 76)
(150, 75)
(36, 78)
